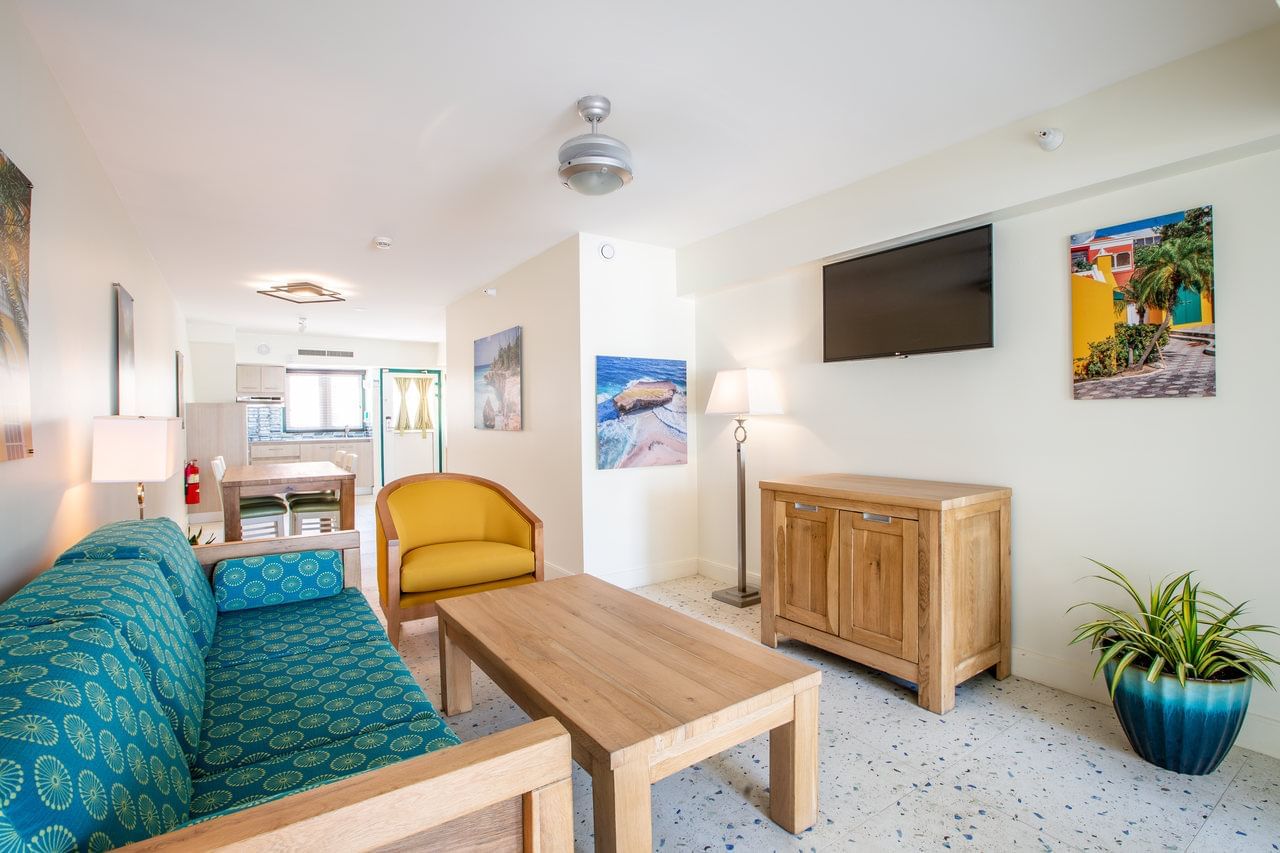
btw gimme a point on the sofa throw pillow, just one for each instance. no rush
(252, 582)
(160, 541)
(88, 760)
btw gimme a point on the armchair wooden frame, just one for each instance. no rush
(512, 790)
(390, 542)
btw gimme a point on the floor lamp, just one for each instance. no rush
(740, 393)
(135, 450)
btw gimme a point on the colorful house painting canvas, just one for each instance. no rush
(641, 412)
(498, 371)
(1142, 308)
(15, 317)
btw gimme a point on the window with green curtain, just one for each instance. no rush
(316, 400)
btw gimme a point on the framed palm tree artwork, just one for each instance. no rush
(1142, 308)
(15, 316)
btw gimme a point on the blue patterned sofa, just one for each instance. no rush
(141, 704)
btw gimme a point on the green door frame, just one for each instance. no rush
(439, 415)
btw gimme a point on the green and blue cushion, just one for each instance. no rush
(265, 633)
(252, 582)
(88, 760)
(134, 596)
(264, 708)
(158, 540)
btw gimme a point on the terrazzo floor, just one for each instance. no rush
(1016, 765)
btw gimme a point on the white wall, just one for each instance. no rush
(1203, 106)
(541, 464)
(81, 242)
(640, 525)
(1150, 486)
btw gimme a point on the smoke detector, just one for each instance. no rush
(593, 163)
(1049, 138)
(382, 242)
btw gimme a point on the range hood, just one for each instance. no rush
(261, 398)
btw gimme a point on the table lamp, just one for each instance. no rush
(742, 392)
(135, 450)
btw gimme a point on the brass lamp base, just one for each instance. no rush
(737, 597)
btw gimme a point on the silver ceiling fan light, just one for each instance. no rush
(593, 163)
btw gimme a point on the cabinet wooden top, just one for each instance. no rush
(921, 494)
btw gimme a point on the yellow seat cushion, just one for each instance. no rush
(454, 564)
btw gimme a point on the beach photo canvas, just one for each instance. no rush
(15, 305)
(1142, 309)
(498, 366)
(641, 412)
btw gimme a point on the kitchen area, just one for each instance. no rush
(376, 423)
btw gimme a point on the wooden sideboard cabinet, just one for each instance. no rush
(911, 577)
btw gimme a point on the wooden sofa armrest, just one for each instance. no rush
(445, 800)
(346, 541)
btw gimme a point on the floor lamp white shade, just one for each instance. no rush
(742, 392)
(135, 450)
(745, 391)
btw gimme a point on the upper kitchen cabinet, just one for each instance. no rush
(259, 380)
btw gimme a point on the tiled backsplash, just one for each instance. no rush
(266, 423)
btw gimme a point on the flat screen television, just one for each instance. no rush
(931, 296)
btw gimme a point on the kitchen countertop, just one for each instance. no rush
(288, 439)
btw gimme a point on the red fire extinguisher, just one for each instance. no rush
(192, 475)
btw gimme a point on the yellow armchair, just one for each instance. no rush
(441, 535)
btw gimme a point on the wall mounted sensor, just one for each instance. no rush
(1049, 138)
(382, 242)
(490, 291)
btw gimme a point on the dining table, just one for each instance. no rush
(285, 478)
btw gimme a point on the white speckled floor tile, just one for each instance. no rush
(1247, 817)
(1016, 766)
(1088, 791)
(938, 818)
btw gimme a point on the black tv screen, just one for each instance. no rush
(932, 296)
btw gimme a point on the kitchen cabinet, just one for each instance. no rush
(260, 379)
(911, 577)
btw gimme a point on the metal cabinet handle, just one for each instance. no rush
(805, 507)
(880, 519)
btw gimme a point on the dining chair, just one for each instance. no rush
(322, 507)
(255, 512)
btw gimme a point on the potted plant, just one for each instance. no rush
(1179, 668)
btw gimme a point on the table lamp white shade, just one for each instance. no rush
(745, 391)
(134, 450)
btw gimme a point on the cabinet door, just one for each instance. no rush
(808, 581)
(272, 379)
(248, 378)
(879, 583)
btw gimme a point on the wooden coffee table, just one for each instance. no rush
(643, 690)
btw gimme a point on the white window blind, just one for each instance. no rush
(317, 400)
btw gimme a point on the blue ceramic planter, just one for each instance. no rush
(1185, 729)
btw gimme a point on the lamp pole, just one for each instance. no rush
(741, 595)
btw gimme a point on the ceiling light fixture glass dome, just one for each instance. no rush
(593, 163)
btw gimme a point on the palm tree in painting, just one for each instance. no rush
(15, 212)
(1164, 271)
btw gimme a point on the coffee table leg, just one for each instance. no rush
(793, 766)
(455, 674)
(623, 808)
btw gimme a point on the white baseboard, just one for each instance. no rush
(550, 571)
(1260, 733)
(653, 573)
(725, 573)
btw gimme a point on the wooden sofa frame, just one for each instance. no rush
(507, 791)
(395, 614)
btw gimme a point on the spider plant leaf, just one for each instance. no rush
(1121, 666)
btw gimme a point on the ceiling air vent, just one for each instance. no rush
(328, 353)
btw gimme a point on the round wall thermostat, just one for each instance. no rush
(264, 349)
(607, 251)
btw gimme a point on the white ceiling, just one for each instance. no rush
(255, 142)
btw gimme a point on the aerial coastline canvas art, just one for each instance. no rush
(15, 304)
(641, 412)
(498, 370)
